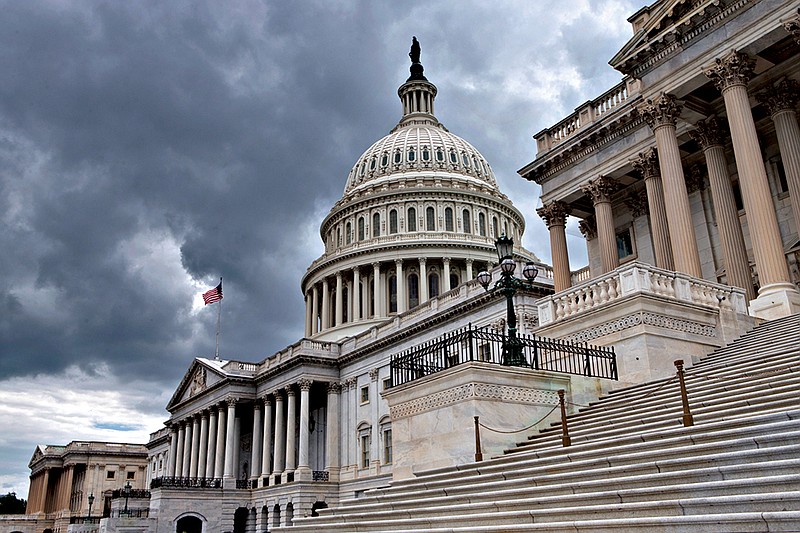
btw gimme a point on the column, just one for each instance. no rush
(600, 191)
(731, 74)
(309, 303)
(376, 289)
(212, 443)
(339, 299)
(237, 436)
(423, 280)
(219, 454)
(302, 457)
(255, 459)
(291, 429)
(202, 457)
(661, 115)
(332, 430)
(446, 273)
(554, 215)
(230, 468)
(280, 435)
(266, 447)
(374, 453)
(315, 310)
(326, 305)
(195, 447)
(356, 313)
(647, 166)
(187, 449)
(401, 286)
(470, 277)
(781, 100)
(173, 449)
(734, 253)
(179, 450)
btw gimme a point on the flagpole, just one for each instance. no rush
(219, 313)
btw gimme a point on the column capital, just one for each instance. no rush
(304, 384)
(339, 276)
(398, 262)
(356, 269)
(447, 259)
(334, 387)
(267, 399)
(204, 414)
(637, 203)
(553, 214)
(373, 374)
(230, 401)
(376, 265)
(647, 163)
(792, 25)
(588, 227)
(256, 405)
(469, 260)
(707, 133)
(783, 96)
(731, 70)
(664, 110)
(349, 383)
(600, 189)
(423, 260)
(289, 390)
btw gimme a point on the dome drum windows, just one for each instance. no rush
(448, 219)
(412, 219)
(398, 156)
(412, 155)
(376, 225)
(385, 159)
(426, 153)
(393, 221)
(467, 221)
(430, 219)
(361, 229)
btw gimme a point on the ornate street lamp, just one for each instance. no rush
(91, 502)
(508, 285)
(126, 491)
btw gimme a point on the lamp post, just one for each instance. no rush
(91, 502)
(508, 285)
(126, 491)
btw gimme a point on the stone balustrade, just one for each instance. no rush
(638, 278)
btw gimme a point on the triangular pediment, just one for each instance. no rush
(659, 30)
(38, 455)
(202, 374)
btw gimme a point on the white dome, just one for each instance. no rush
(416, 148)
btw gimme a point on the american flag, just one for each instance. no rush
(213, 295)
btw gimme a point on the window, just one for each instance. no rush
(387, 383)
(393, 294)
(393, 221)
(338, 236)
(467, 221)
(484, 352)
(482, 224)
(397, 157)
(439, 155)
(624, 243)
(372, 164)
(110, 474)
(384, 159)
(413, 291)
(361, 228)
(348, 233)
(453, 280)
(411, 154)
(365, 394)
(412, 219)
(426, 154)
(130, 475)
(346, 302)
(433, 284)
(453, 157)
(448, 219)
(376, 225)
(430, 219)
(494, 227)
(465, 160)
(366, 442)
(387, 445)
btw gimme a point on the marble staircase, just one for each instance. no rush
(632, 464)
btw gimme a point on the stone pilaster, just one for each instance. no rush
(588, 228)
(777, 295)
(661, 114)
(446, 274)
(470, 275)
(554, 215)
(600, 191)
(376, 290)
(737, 267)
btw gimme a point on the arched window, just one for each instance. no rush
(505, 229)
(439, 154)
(453, 280)
(430, 219)
(338, 236)
(494, 228)
(384, 159)
(467, 221)
(376, 225)
(372, 164)
(348, 233)
(397, 157)
(393, 221)
(413, 291)
(240, 520)
(448, 219)
(392, 294)
(426, 154)
(360, 228)
(453, 157)
(276, 516)
(411, 220)
(289, 514)
(433, 284)
(191, 524)
(411, 154)
(482, 224)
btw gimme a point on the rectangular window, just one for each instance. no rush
(484, 352)
(365, 394)
(365, 446)
(387, 446)
(624, 244)
(130, 475)
(110, 474)
(387, 383)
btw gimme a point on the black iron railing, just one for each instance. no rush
(320, 475)
(130, 513)
(482, 344)
(186, 483)
(84, 519)
(134, 493)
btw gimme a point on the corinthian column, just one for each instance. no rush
(266, 448)
(212, 443)
(661, 115)
(326, 305)
(332, 430)
(376, 290)
(554, 215)
(600, 191)
(187, 449)
(339, 300)
(291, 428)
(303, 463)
(781, 100)
(203, 452)
(647, 165)
(230, 437)
(280, 435)
(255, 459)
(219, 453)
(401, 286)
(356, 295)
(423, 280)
(737, 267)
(173, 451)
(308, 331)
(731, 74)
(314, 310)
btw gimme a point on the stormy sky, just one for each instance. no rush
(148, 148)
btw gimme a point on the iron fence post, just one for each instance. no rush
(565, 440)
(688, 419)
(478, 454)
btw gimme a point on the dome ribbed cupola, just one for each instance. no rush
(419, 216)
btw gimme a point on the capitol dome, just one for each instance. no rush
(419, 216)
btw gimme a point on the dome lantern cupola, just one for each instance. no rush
(417, 93)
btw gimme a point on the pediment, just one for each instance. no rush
(38, 455)
(201, 375)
